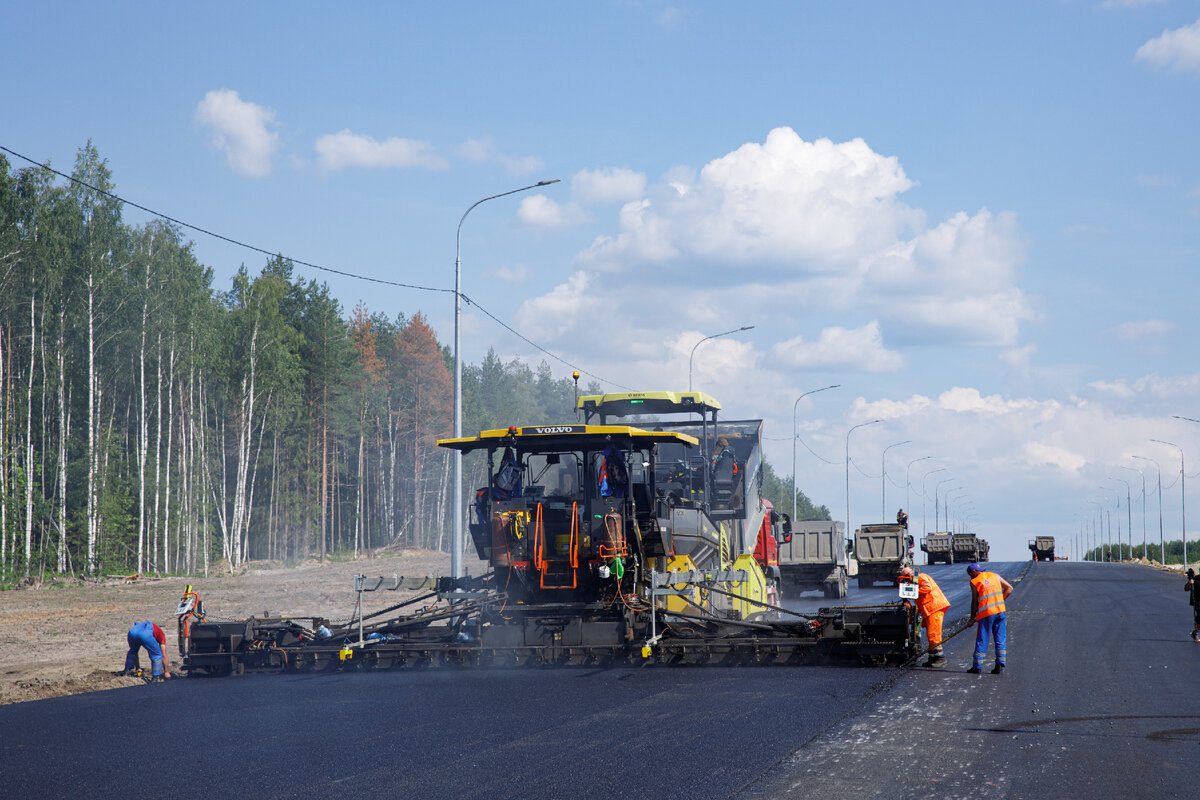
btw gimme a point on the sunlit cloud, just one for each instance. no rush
(1177, 50)
(345, 149)
(240, 129)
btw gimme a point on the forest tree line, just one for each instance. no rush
(150, 422)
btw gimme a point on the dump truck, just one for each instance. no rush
(881, 551)
(775, 530)
(937, 548)
(814, 558)
(603, 544)
(1042, 548)
(965, 548)
(983, 550)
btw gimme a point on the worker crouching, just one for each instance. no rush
(150, 636)
(932, 605)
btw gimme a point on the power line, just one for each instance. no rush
(818, 455)
(309, 264)
(523, 338)
(215, 235)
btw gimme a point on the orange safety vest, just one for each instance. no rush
(930, 599)
(986, 586)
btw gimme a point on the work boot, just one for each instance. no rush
(935, 662)
(974, 670)
(157, 679)
(1196, 635)
(998, 669)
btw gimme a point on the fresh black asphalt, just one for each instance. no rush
(1100, 696)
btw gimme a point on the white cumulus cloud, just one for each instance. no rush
(243, 130)
(1142, 329)
(569, 308)
(483, 151)
(607, 185)
(515, 274)
(1178, 50)
(540, 211)
(1018, 358)
(344, 149)
(841, 348)
(825, 221)
(1042, 454)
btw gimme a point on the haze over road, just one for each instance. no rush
(1099, 700)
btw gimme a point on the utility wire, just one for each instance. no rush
(309, 264)
(818, 455)
(215, 235)
(862, 471)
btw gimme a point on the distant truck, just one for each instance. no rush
(983, 550)
(814, 558)
(965, 547)
(937, 548)
(881, 551)
(1042, 547)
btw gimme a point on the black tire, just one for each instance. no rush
(864, 582)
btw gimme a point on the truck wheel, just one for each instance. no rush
(842, 586)
(865, 582)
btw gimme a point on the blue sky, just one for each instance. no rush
(982, 220)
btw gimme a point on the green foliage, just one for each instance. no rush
(200, 428)
(778, 491)
(1151, 551)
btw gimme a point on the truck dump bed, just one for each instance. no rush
(937, 549)
(814, 558)
(881, 550)
(965, 548)
(1042, 547)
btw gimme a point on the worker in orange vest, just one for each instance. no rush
(932, 605)
(988, 593)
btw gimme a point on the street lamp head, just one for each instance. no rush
(705, 339)
(547, 183)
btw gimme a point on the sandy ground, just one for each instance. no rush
(68, 637)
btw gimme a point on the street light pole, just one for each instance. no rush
(705, 339)
(456, 568)
(1162, 553)
(1182, 496)
(795, 405)
(1097, 539)
(936, 509)
(849, 530)
(1108, 538)
(1145, 551)
(946, 505)
(924, 494)
(908, 480)
(1128, 513)
(963, 516)
(883, 479)
(1108, 515)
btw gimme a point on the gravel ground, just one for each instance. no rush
(68, 637)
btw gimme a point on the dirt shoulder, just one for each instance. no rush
(68, 637)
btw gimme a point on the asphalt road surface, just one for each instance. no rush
(1099, 700)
